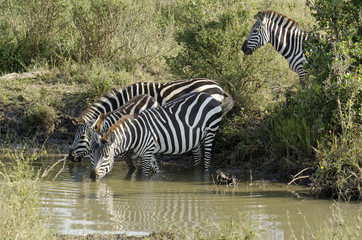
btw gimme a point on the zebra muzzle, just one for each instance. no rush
(245, 49)
(94, 175)
(72, 156)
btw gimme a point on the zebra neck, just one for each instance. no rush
(287, 41)
(123, 134)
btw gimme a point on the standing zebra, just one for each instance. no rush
(162, 92)
(284, 34)
(188, 123)
(82, 144)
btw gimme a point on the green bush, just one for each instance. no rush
(212, 37)
(98, 22)
(330, 105)
(297, 133)
(29, 30)
(339, 173)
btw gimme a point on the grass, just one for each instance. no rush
(336, 226)
(20, 200)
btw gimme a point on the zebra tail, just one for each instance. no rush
(226, 105)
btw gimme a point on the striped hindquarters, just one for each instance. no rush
(173, 90)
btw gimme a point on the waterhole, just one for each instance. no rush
(179, 199)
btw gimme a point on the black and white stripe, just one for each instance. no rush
(82, 144)
(284, 34)
(162, 92)
(188, 123)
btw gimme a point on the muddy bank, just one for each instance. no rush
(152, 236)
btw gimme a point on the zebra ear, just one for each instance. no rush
(111, 138)
(258, 16)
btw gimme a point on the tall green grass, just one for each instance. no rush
(20, 199)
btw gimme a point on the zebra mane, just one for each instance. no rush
(268, 13)
(121, 121)
(91, 109)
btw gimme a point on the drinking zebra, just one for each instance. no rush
(284, 34)
(188, 123)
(82, 144)
(162, 92)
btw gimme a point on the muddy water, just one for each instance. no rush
(178, 199)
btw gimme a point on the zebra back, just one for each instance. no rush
(172, 90)
(134, 106)
(162, 92)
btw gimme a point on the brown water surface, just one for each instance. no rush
(178, 199)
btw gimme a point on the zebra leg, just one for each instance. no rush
(158, 158)
(197, 154)
(154, 165)
(149, 163)
(207, 149)
(127, 157)
(146, 162)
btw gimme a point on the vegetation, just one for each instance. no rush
(83, 49)
(338, 87)
(20, 199)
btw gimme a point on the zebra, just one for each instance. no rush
(162, 92)
(284, 34)
(188, 123)
(82, 144)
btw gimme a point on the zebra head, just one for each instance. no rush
(81, 143)
(257, 37)
(102, 154)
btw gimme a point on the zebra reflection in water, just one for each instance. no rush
(145, 206)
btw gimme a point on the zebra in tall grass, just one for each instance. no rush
(162, 92)
(284, 34)
(82, 144)
(188, 123)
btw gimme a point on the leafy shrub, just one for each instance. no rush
(28, 31)
(339, 173)
(98, 22)
(331, 103)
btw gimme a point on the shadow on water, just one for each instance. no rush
(178, 199)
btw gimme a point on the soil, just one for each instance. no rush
(152, 236)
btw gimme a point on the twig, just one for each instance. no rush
(46, 171)
(295, 177)
(61, 168)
